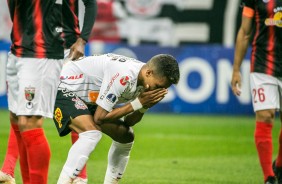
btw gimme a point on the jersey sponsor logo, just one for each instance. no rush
(92, 96)
(29, 93)
(277, 18)
(111, 98)
(109, 85)
(58, 116)
(67, 93)
(79, 104)
(124, 80)
(72, 77)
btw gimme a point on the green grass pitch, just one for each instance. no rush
(169, 149)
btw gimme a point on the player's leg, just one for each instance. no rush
(37, 147)
(79, 153)
(277, 164)
(38, 81)
(265, 100)
(263, 140)
(71, 113)
(119, 152)
(8, 168)
(24, 167)
(82, 177)
(13, 93)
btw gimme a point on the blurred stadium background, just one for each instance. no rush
(201, 35)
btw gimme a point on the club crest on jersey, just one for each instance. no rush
(79, 104)
(111, 98)
(29, 93)
(123, 81)
(276, 20)
(58, 116)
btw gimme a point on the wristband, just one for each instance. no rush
(143, 110)
(136, 104)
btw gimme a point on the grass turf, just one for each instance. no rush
(169, 149)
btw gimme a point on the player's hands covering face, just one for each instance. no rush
(150, 98)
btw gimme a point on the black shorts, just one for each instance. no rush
(67, 107)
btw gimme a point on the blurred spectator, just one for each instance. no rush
(105, 28)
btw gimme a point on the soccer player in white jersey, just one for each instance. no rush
(87, 103)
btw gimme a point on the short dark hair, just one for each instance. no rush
(165, 65)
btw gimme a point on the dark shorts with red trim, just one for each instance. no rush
(68, 106)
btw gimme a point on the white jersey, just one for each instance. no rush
(106, 80)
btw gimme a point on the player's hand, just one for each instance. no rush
(236, 83)
(150, 98)
(77, 49)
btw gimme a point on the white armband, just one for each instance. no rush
(136, 104)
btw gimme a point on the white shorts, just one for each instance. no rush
(266, 91)
(32, 85)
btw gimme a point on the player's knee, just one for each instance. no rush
(129, 137)
(265, 116)
(91, 138)
(30, 122)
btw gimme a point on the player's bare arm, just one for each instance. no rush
(147, 99)
(242, 43)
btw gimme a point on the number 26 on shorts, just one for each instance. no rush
(258, 95)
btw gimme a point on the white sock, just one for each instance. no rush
(64, 178)
(118, 157)
(79, 153)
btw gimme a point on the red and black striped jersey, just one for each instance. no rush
(37, 28)
(71, 23)
(266, 54)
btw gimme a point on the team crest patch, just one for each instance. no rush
(111, 98)
(29, 96)
(29, 93)
(79, 104)
(58, 115)
(276, 20)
